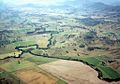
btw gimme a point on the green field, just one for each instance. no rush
(14, 65)
(61, 82)
(37, 51)
(91, 60)
(27, 48)
(24, 43)
(3, 74)
(108, 73)
(40, 60)
(7, 78)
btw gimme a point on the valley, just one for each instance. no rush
(60, 45)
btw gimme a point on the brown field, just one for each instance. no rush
(73, 72)
(32, 76)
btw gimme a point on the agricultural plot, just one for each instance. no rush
(105, 72)
(73, 72)
(108, 73)
(12, 54)
(31, 76)
(41, 40)
(91, 61)
(3, 74)
(26, 70)
(24, 43)
(6, 77)
(40, 60)
(96, 64)
(7, 49)
(16, 65)
(26, 49)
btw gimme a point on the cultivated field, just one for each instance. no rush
(16, 54)
(32, 76)
(74, 72)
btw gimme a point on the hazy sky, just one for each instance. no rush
(51, 2)
(44, 2)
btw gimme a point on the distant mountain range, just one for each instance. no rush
(103, 7)
(100, 5)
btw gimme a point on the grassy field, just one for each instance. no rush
(7, 78)
(91, 60)
(40, 60)
(38, 51)
(15, 53)
(24, 43)
(7, 49)
(61, 82)
(14, 65)
(28, 61)
(3, 74)
(25, 49)
(43, 42)
(108, 73)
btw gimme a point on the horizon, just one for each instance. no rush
(54, 2)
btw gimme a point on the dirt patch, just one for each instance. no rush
(73, 72)
(32, 76)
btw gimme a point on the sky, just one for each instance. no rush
(52, 2)
(43, 2)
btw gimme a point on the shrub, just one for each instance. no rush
(81, 46)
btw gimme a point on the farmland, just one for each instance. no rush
(61, 44)
(71, 70)
(97, 64)
(33, 77)
(23, 68)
